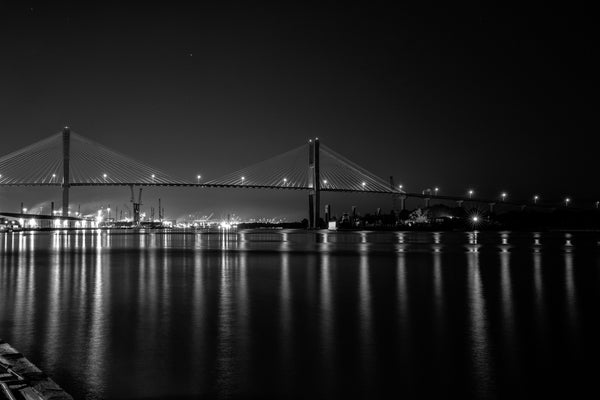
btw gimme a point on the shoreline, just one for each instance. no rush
(24, 378)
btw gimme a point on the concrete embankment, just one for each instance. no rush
(21, 379)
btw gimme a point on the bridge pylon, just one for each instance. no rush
(66, 148)
(314, 184)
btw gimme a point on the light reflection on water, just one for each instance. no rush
(303, 314)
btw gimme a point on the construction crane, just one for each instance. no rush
(136, 206)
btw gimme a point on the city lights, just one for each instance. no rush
(503, 195)
(471, 192)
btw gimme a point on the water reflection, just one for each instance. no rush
(402, 291)
(330, 314)
(508, 325)
(438, 295)
(54, 295)
(326, 322)
(285, 317)
(100, 320)
(366, 335)
(225, 367)
(571, 300)
(481, 357)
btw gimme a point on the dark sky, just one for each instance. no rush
(471, 96)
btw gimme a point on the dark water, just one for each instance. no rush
(289, 314)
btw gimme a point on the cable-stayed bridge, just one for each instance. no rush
(67, 160)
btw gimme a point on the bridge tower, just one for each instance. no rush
(66, 177)
(314, 183)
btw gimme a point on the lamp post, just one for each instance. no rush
(567, 201)
(471, 192)
(535, 199)
(503, 195)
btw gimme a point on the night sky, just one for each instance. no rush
(497, 99)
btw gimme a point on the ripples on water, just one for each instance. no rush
(276, 314)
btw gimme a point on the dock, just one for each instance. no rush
(22, 380)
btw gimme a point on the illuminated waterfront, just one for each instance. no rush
(272, 314)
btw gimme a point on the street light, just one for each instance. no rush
(436, 190)
(400, 187)
(243, 179)
(284, 181)
(567, 201)
(471, 193)
(364, 184)
(324, 181)
(503, 195)
(597, 203)
(104, 176)
(153, 176)
(535, 198)
(198, 177)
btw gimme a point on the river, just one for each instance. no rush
(296, 314)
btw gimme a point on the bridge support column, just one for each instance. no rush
(66, 169)
(311, 210)
(314, 182)
(402, 202)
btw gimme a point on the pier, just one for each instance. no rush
(21, 379)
